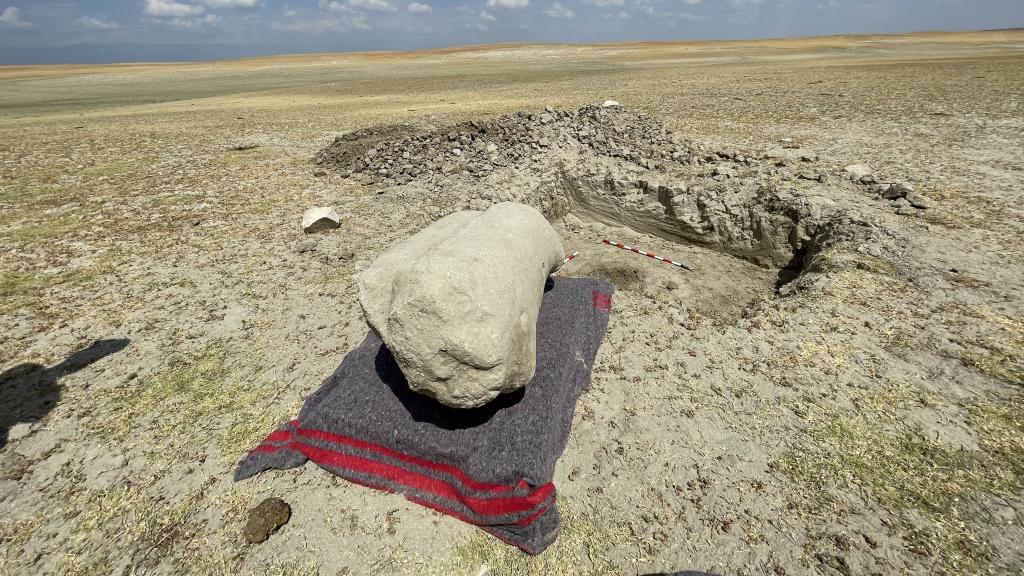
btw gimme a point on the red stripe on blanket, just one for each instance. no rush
(427, 484)
(437, 466)
(452, 513)
(278, 436)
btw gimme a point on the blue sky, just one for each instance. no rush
(131, 30)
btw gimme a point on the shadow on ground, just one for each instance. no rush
(29, 391)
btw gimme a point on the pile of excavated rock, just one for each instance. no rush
(477, 149)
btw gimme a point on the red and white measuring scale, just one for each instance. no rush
(682, 265)
(568, 258)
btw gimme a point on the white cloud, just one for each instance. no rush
(323, 25)
(170, 9)
(605, 2)
(559, 11)
(334, 6)
(487, 16)
(11, 16)
(511, 4)
(201, 22)
(96, 23)
(233, 3)
(624, 15)
(375, 5)
(418, 8)
(344, 18)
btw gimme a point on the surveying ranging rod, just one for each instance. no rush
(682, 265)
(567, 259)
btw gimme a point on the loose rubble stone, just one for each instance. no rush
(305, 246)
(918, 200)
(858, 171)
(572, 222)
(812, 175)
(901, 189)
(724, 170)
(457, 302)
(894, 191)
(265, 519)
(319, 219)
(19, 431)
(609, 104)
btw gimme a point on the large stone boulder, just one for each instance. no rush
(457, 302)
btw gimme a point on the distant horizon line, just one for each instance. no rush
(469, 47)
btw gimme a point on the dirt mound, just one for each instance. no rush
(617, 167)
(524, 139)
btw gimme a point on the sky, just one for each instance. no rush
(137, 30)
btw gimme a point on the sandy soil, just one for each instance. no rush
(156, 318)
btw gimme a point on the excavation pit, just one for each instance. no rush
(745, 219)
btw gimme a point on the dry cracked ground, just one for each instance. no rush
(844, 398)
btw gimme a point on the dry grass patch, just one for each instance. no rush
(930, 486)
(243, 157)
(83, 565)
(30, 290)
(40, 187)
(1000, 359)
(960, 209)
(1000, 353)
(13, 537)
(115, 168)
(147, 528)
(199, 396)
(582, 549)
(39, 230)
(17, 289)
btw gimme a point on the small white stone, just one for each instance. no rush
(858, 171)
(319, 219)
(609, 104)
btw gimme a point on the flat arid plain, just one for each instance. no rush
(848, 400)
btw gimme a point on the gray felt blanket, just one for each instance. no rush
(490, 466)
